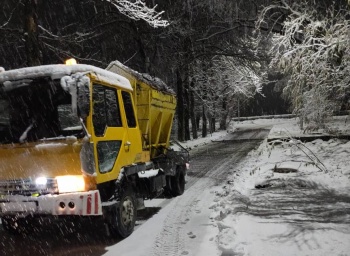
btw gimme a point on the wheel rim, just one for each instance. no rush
(127, 213)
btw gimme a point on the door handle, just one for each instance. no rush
(127, 146)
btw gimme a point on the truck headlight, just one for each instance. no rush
(70, 183)
(41, 181)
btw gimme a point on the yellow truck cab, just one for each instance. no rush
(81, 140)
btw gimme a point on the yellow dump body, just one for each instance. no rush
(155, 105)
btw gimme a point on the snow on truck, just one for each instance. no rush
(85, 141)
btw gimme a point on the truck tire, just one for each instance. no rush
(123, 215)
(178, 182)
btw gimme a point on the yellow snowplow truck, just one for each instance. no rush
(85, 141)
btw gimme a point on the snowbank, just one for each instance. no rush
(288, 198)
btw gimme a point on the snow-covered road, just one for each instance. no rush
(285, 198)
(187, 226)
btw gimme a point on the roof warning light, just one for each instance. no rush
(71, 62)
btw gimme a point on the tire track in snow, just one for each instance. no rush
(209, 168)
(171, 240)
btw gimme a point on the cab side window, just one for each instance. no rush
(129, 110)
(106, 112)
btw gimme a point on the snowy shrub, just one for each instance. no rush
(316, 108)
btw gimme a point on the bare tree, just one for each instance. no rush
(46, 33)
(31, 33)
(202, 31)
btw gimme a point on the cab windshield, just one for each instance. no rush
(35, 110)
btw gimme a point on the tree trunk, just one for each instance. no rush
(238, 108)
(204, 123)
(31, 35)
(223, 114)
(212, 121)
(212, 124)
(145, 68)
(180, 108)
(198, 119)
(187, 56)
(187, 109)
(301, 122)
(193, 115)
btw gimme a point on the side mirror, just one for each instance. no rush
(83, 97)
(87, 157)
(78, 86)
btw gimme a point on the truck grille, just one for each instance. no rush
(27, 187)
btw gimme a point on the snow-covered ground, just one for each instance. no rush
(268, 221)
(285, 198)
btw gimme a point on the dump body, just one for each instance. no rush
(155, 104)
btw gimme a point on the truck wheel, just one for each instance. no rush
(123, 216)
(178, 182)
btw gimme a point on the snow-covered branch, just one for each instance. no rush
(137, 10)
(313, 50)
(222, 82)
(76, 37)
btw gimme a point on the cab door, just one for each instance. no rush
(109, 133)
(133, 144)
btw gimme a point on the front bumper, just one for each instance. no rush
(78, 203)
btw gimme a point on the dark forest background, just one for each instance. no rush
(202, 37)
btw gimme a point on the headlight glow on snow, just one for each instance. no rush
(70, 183)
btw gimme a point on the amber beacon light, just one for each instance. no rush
(71, 62)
